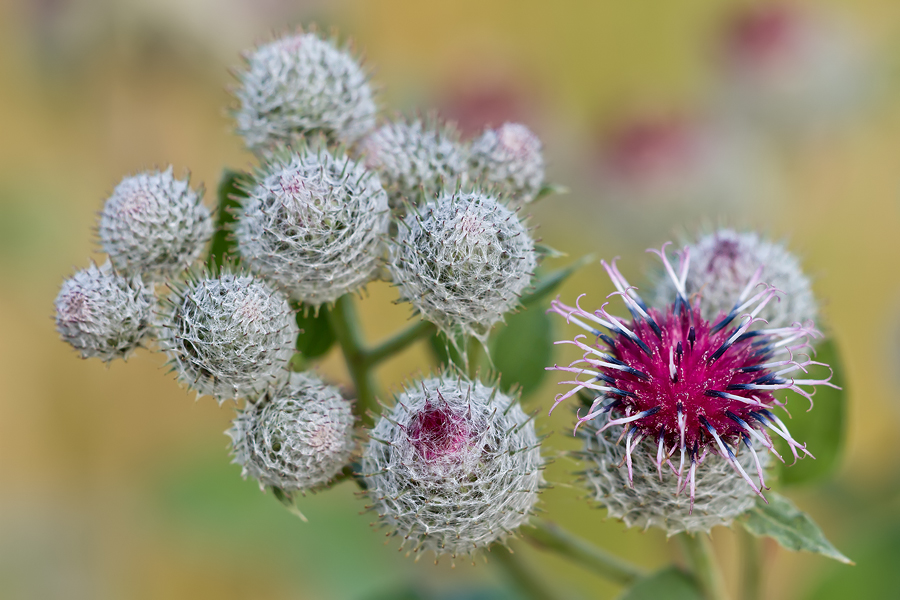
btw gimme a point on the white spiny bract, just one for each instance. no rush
(724, 261)
(454, 466)
(154, 225)
(104, 314)
(296, 437)
(722, 494)
(416, 156)
(462, 261)
(510, 157)
(314, 224)
(229, 336)
(300, 85)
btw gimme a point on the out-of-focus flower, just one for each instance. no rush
(509, 158)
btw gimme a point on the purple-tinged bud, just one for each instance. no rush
(510, 158)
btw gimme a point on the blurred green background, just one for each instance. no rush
(115, 483)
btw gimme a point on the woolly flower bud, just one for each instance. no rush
(103, 314)
(228, 336)
(415, 156)
(299, 85)
(455, 467)
(511, 158)
(723, 262)
(462, 261)
(314, 224)
(154, 225)
(296, 437)
(647, 500)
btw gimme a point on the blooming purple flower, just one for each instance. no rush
(690, 385)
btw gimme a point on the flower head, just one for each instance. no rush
(295, 437)
(454, 467)
(462, 261)
(313, 223)
(228, 336)
(154, 225)
(688, 385)
(300, 85)
(416, 156)
(104, 314)
(510, 157)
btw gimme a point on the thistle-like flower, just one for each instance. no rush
(510, 157)
(721, 493)
(300, 85)
(154, 225)
(688, 385)
(723, 262)
(462, 261)
(104, 314)
(296, 437)
(416, 156)
(314, 224)
(229, 336)
(454, 467)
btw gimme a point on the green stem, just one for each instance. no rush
(398, 342)
(553, 537)
(347, 331)
(474, 351)
(751, 576)
(521, 576)
(699, 553)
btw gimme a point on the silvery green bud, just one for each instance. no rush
(229, 336)
(646, 499)
(722, 264)
(296, 437)
(510, 157)
(314, 224)
(154, 225)
(416, 156)
(454, 467)
(102, 313)
(462, 261)
(300, 85)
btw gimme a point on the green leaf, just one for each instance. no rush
(822, 428)
(789, 526)
(228, 194)
(549, 189)
(547, 284)
(316, 335)
(670, 583)
(522, 349)
(545, 251)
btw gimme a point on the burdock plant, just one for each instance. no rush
(680, 403)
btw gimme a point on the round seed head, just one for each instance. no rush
(510, 157)
(462, 261)
(300, 85)
(296, 437)
(104, 314)
(414, 157)
(689, 386)
(314, 224)
(721, 494)
(723, 262)
(154, 225)
(229, 336)
(454, 467)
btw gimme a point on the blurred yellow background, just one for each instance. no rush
(115, 483)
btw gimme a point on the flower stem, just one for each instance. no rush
(399, 342)
(699, 553)
(553, 537)
(474, 351)
(751, 576)
(346, 328)
(521, 576)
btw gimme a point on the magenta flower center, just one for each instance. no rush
(437, 433)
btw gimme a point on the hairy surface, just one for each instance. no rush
(454, 467)
(296, 437)
(510, 158)
(314, 224)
